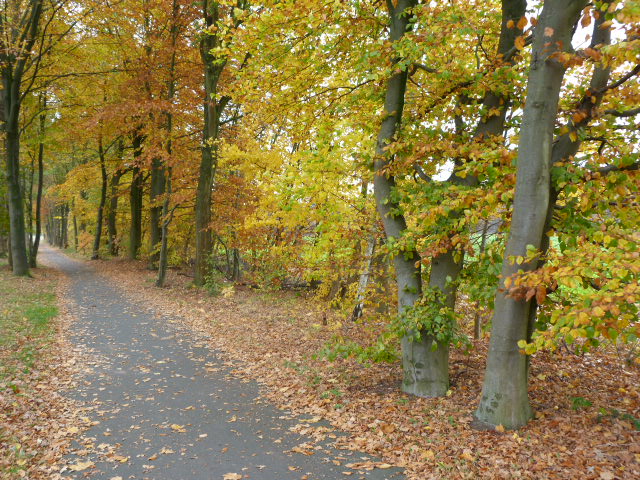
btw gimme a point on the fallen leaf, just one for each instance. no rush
(231, 476)
(178, 428)
(78, 467)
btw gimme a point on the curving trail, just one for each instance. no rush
(167, 408)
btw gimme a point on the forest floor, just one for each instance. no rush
(587, 407)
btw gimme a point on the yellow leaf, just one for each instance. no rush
(466, 455)
(520, 42)
(231, 476)
(500, 429)
(78, 467)
(522, 23)
(428, 454)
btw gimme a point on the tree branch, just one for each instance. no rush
(623, 113)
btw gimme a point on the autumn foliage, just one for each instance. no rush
(369, 153)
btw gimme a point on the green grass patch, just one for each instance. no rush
(27, 306)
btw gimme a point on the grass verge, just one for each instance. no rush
(27, 330)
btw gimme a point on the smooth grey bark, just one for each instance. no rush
(103, 200)
(567, 145)
(424, 363)
(505, 399)
(446, 267)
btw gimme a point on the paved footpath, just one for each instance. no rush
(168, 405)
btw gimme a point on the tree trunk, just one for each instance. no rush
(75, 232)
(477, 319)
(236, 272)
(135, 199)
(65, 226)
(424, 363)
(112, 226)
(213, 108)
(164, 243)
(163, 254)
(567, 145)
(16, 47)
(208, 164)
(505, 399)
(365, 276)
(29, 206)
(103, 200)
(157, 191)
(446, 267)
(12, 165)
(36, 241)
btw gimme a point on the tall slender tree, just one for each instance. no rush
(19, 24)
(505, 399)
(220, 22)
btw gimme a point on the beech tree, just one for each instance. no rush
(220, 19)
(19, 25)
(505, 398)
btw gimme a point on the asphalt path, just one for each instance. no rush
(166, 407)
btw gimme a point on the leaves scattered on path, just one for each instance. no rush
(272, 340)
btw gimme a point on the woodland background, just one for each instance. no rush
(434, 171)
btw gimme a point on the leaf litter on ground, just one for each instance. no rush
(272, 339)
